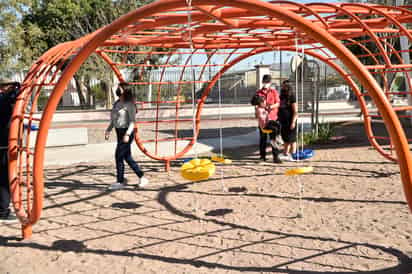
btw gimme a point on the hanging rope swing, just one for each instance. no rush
(301, 153)
(220, 158)
(195, 169)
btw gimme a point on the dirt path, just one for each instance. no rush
(355, 220)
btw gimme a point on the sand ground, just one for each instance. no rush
(355, 219)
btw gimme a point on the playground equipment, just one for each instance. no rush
(197, 169)
(299, 171)
(223, 33)
(303, 154)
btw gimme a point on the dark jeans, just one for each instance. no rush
(124, 154)
(4, 184)
(263, 144)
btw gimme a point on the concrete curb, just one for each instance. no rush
(105, 152)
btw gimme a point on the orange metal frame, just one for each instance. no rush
(226, 32)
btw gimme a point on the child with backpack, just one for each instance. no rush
(266, 102)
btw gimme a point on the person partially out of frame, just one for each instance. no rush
(8, 95)
(122, 119)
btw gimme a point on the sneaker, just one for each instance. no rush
(11, 218)
(284, 157)
(116, 186)
(143, 182)
(291, 159)
(277, 160)
(275, 144)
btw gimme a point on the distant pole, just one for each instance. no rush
(280, 67)
(315, 96)
(149, 93)
(313, 110)
(325, 92)
(317, 101)
(404, 43)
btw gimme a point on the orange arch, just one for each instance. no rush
(288, 15)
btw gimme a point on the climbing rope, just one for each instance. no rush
(222, 182)
(299, 130)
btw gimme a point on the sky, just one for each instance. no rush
(274, 57)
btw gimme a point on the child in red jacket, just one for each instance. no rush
(262, 114)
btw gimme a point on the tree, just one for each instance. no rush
(11, 34)
(31, 27)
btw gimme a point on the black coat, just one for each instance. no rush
(7, 101)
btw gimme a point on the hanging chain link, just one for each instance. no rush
(192, 49)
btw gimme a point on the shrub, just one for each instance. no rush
(325, 132)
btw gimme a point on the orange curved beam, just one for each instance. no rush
(40, 71)
(365, 27)
(109, 61)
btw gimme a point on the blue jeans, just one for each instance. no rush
(124, 154)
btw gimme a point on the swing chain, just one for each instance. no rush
(299, 131)
(189, 23)
(222, 182)
(189, 28)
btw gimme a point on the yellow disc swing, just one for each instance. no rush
(197, 170)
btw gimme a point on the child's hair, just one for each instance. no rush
(128, 95)
(286, 93)
(286, 89)
(267, 78)
(260, 99)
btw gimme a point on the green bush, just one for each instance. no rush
(325, 132)
(42, 100)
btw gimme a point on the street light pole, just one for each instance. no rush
(404, 43)
(149, 93)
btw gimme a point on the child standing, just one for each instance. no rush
(262, 114)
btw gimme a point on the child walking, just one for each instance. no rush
(123, 117)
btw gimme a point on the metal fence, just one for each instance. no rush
(147, 88)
